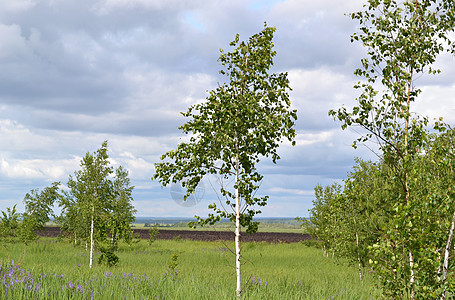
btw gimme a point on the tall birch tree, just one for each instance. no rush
(240, 123)
(403, 40)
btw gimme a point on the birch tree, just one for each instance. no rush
(403, 40)
(98, 202)
(121, 209)
(92, 189)
(240, 123)
(38, 210)
(9, 222)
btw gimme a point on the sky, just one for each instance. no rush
(74, 73)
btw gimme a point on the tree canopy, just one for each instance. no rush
(240, 122)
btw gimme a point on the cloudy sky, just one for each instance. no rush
(74, 73)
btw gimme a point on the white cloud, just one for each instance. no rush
(291, 191)
(437, 101)
(48, 170)
(305, 138)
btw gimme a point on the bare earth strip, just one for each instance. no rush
(271, 237)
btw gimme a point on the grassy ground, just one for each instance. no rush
(52, 269)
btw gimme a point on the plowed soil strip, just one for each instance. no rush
(271, 237)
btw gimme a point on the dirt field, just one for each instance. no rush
(271, 237)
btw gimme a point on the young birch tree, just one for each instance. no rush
(122, 210)
(98, 202)
(92, 189)
(240, 122)
(38, 210)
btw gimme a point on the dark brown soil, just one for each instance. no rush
(271, 237)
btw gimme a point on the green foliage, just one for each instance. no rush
(427, 219)
(9, 222)
(314, 243)
(88, 197)
(38, 211)
(99, 194)
(362, 222)
(173, 261)
(108, 257)
(40, 204)
(239, 123)
(26, 230)
(323, 222)
(121, 211)
(403, 40)
(153, 234)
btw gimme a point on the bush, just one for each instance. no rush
(312, 243)
(108, 257)
(153, 234)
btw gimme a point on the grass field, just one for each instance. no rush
(53, 269)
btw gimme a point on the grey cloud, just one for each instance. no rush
(158, 123)
(71, 63)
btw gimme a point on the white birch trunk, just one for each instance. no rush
(360, 268)
(91, 239)
(357, 243)
(412, 278)
(406, 126)
(446, 255)
(237, 232)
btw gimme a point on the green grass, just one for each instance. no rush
(205, 270)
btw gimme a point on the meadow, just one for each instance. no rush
(176, 269)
